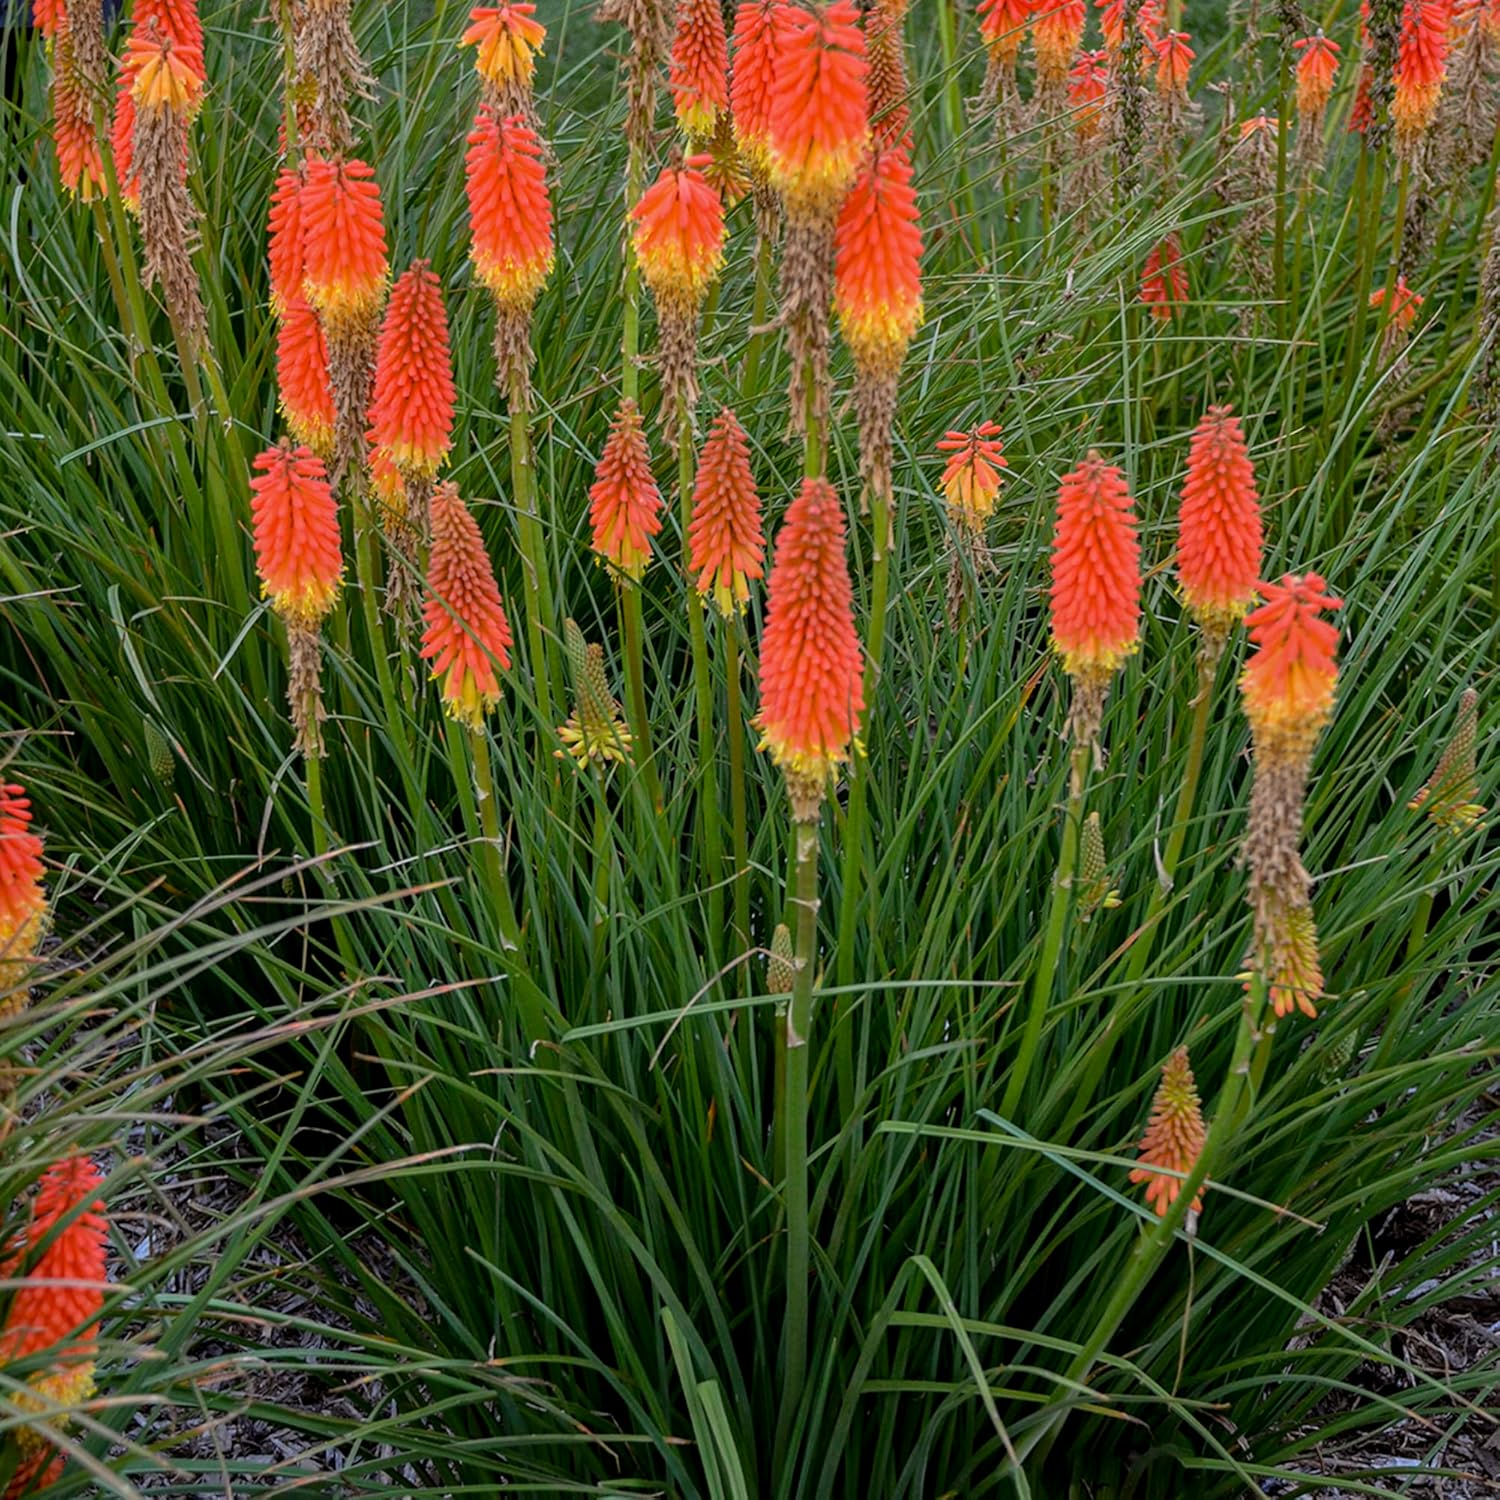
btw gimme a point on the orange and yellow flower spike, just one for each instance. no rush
(753, 80)
(23, 898)
(624, 502)
(726, 545)
(1174, 1136)
(973, 475)
(411, 411)
(302, 378)
(507, 39)
(698, 72)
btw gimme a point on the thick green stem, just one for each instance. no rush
(703, 693)
(635, 689)
(1153, 1244)
(804, 882)
(1052, 944)
(540, 621)
(489, 822)
(759, 307)
(738, 815)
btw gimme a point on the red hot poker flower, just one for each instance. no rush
(726, 547)
(972, 477)
(1174, 61)
(679, 236)
(343, 234)
(624, 502)
(819, 119)
(297, 547)
(510, 210)
(1174, 1137)
(811, 667)
(1404, 304)
(699, 69)
(753, 79)
(508, 39)
(411, 413)
(467, 633)
(1088, 83)
(302, 378)
(1164, 283)
(1219, 527)
(23, 900)
(1055, 35)
(1317, 67)
(284, 240)
(1002, 25)
(1420, 68)
(1289, 682)
(885, 46)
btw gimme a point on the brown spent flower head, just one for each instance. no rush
(1174, 1137)
(595, 733)
(649, 26)
(1451, 796)
(726, 546)
(467, 635)
(329, 60)
(885, 46)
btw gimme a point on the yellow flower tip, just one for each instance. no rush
(509, 40)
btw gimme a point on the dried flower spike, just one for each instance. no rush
(467, 634)
(75, 137)
(885, 48)
(972, 477)
(329, 60)
(878, 294)
(56, 1308)
(1219, 531)
(23, 900)
(1451, 795)
(1174, 1137)
(726, 547)
(1096, 585)
(624, 502)
(811, 666)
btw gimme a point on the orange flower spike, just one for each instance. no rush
(726, 546)
(1174, 1136)
(343, 232)
(753, 78)
(679, 236)
(508, 39)
(302, 378)
(23, 899)
(49, 17)
(819, 120)
(1148, 23)
(284, 241)
(467, 633)
(1289, 682)
(877, 266)
(411, 413)
(1002, 26)
(1405, 304)
(80, 163)
(296, 526)
(386, 483)
(1421, 65)
(1055, 35)
(1088, 83)
(1164, 283)
(1174, 61)
(811, 666)
(1096, 574)
(177, 20)
(624, 502)
(1219, 532)
(973, 475)
(699, 69)
(122, 144)
(1317, 67)
(510, 210)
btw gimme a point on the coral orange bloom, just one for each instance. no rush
(624, 502)
(80, 163)
(122, 144)
(302, 378)
(343, 235)
(23, 901)
(754, 78)
(1174, 1137)
(1096, 577)
(411, 412)
(1002, 25)
(386, 483)
(1088, 83)
(284, 240)
(679, 236)
(811, 666)
(508, 39)
(1174, 61)
(162, 75)
(1289, 682)
(64, 1243)
(1405, 304)
(877, 268)
(1219, 525)
(1148, 23)
(510, 211)
(819, 121)
(1421, 65)
(49, 17)
(1317, 68)
(296, 526)
(467, 634)
(972, 477)
(1164, 283)
(699, 70)
(1055, 35)
(179, 22)
(726, 547)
